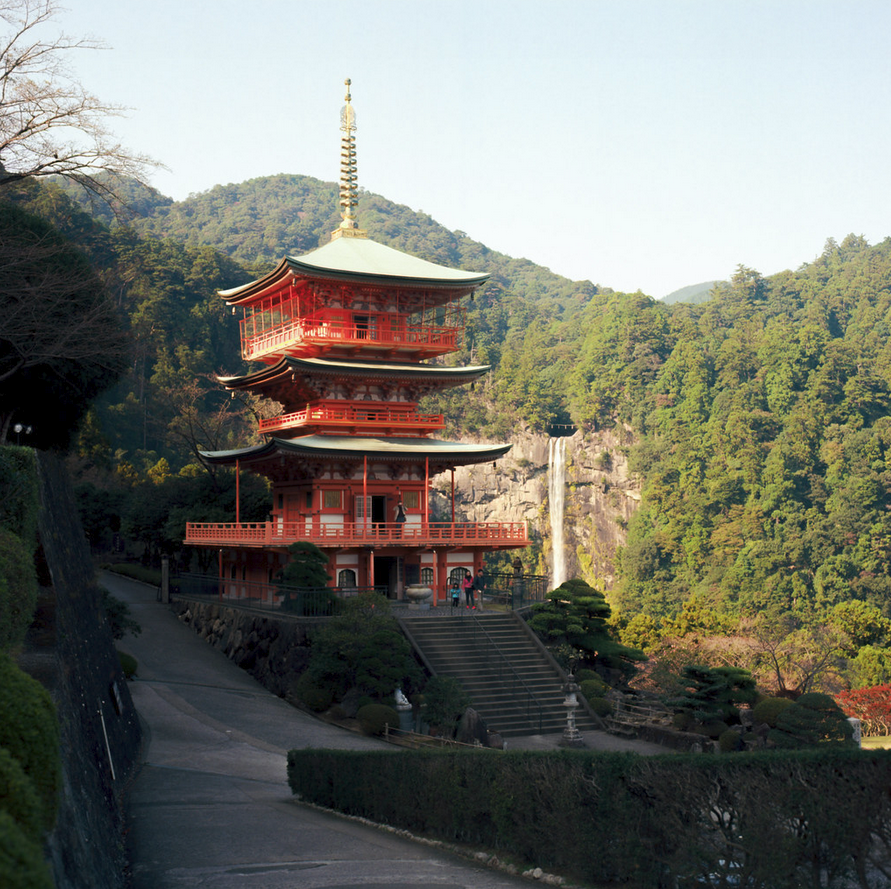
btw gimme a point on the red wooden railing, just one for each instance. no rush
(426, 339)
(373, 419)
(490, 534)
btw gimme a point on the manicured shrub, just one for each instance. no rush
(28, 730)
(812, 719)
(444, 704)
(730, 741)
(317, 697)
(592, 676)
(593, 688)
(713, 729)
(17, 795)
(374, 718)
(768, 709)
(601, 706)
(18, 588)
(21, 858)
(683, 722)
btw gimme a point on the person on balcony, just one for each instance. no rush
(400, 517)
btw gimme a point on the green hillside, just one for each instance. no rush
(761, 417)
(693, 293)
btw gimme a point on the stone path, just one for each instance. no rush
(211, 806)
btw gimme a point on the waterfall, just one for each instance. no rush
(556, 489)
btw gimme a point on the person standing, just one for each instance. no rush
(467, 584)
(400, 518)
(479, 584)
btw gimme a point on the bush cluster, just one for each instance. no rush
(374, 718)
(30, 777)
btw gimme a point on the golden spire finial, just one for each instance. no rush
(349, 187)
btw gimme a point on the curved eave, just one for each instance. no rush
(360, 260)
(410, 450)
(368, 370)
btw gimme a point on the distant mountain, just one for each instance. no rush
(258, 222)
(693, 294)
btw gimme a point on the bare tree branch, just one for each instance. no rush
(49, 124)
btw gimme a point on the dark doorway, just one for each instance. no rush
(386, 575)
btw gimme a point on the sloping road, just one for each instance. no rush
(210, 806)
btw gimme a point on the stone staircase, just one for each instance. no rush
(512, 683)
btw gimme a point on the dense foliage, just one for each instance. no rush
(573, 623)
(360, 650)
(760, 417)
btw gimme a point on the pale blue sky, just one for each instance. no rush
(640, 145)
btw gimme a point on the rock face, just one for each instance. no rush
(72, 648)
(601, 496)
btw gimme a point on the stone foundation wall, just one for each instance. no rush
(274, 650)
(71, 651)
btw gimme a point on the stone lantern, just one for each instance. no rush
(572, 737)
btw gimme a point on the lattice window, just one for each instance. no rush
(346, 577)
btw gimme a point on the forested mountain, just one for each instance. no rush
(761, 417)
(693, 293)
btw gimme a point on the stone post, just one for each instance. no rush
(165, 580)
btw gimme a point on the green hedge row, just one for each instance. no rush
(19, 500)
(137, 572)
(773, 820)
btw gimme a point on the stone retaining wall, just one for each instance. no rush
(274, 650)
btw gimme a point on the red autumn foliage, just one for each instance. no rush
(872, 706)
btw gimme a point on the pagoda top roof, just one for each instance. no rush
(346, 447)
(361, 260)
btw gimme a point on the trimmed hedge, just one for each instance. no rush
(621, 818)
(17, 796)
(29, 731)
(374, 718)
(19, 504)
(21, 858)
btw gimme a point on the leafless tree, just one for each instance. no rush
(49, 124)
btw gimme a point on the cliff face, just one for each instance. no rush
(601, 495)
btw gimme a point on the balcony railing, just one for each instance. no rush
(373, 420)
(492, 535)
(426, 340)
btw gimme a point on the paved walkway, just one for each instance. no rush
(210, 805)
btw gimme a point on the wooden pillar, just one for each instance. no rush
(237, 492)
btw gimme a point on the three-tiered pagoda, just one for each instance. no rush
(344, 335)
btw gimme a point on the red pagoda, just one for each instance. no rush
(344, 334)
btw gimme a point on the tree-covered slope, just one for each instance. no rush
(761, 417)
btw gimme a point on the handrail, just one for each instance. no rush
(505, 663)
(366, 416)
(439, 338)
(342, 533)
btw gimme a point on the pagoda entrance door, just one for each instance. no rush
(371, 512)
(386, 575)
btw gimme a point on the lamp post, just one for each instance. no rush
(19, 429)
